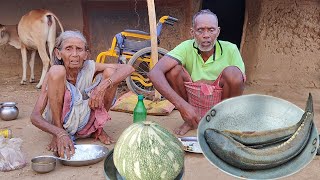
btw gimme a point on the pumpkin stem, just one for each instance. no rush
(147, 123)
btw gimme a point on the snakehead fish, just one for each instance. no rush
(263, 138)
(246, 158)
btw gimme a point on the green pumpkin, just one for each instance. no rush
(145, 150)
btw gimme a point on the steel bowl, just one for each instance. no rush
(87, 148)
(43, 164)
(256, 113)
(111, 172)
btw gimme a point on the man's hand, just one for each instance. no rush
(189, 115)
(96, 99)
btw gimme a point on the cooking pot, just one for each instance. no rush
(8, 111)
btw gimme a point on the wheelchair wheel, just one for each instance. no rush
(139, 82)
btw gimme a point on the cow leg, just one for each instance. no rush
(45, 63)
(51, 40)
(31, 64)
(24, 64)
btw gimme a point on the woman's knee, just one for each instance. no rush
(57, 73)
(107, 73)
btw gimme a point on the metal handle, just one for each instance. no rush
(169, 22)
(172, 19)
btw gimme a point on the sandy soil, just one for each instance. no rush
(196, 166)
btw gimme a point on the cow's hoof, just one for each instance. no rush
(38, 86)
(23, 82)
(32, 80)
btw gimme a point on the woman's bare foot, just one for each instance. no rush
(104, 138)
(53, 145)
(183, 129)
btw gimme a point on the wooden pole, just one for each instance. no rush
(153, 35)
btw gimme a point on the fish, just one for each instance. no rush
(247, 158)
(260, 139)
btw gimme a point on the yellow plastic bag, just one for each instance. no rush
(128, 101)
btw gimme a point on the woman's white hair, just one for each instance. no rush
(63, 37)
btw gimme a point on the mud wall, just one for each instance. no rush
(282, 42)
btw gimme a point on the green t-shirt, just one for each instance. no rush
(226, 54)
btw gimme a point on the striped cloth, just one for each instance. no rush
(204, 96)
(77, 117)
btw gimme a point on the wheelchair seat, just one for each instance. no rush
(127, 45)
(132, 46)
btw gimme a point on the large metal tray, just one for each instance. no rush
(256, 113)
(112, 173)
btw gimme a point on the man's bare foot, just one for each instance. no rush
(104, 138)
(183, 129)
(53, 145)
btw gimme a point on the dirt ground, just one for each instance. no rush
(196, 166)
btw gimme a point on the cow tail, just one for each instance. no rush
(49, 17)
(57, 19)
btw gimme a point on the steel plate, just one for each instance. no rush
(256, 113)
(87, 148)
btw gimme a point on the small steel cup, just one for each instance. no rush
(43, 164)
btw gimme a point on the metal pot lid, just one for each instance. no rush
(8, 104)
(256, 113)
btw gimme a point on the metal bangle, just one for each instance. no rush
(60, 134)
(110, 82)
(63, 135)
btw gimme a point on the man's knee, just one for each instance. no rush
(57, 73)
(174, 73)
(233, 76)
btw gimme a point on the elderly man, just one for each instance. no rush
(200, 72)
(77, 94)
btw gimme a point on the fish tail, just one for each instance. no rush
(309, 106)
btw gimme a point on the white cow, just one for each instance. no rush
(35, 29)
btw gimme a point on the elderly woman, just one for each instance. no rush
(76, 95)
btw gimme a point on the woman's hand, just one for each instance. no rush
(64, 144)
(97, 98)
